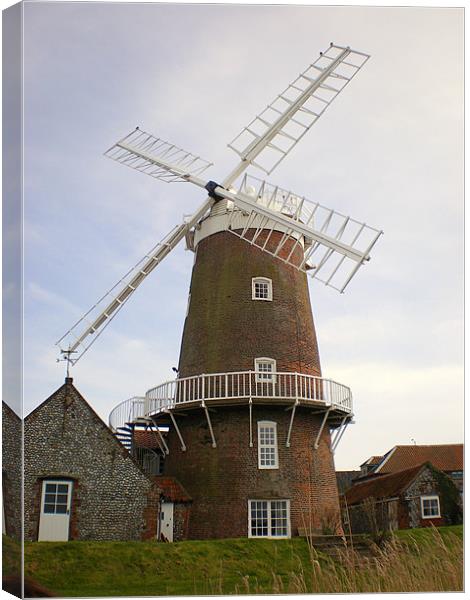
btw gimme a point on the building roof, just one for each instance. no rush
(172, 489)
(345, 479)
(386, 486)
(7, 408)
(446, 457)
(71, 395)
(146, 439)
(373, 460)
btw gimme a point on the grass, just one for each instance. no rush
(11, 556)
(413, 560)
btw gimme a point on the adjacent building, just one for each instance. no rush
(417, 497)
(80, 483)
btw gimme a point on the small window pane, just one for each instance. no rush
(61, 509)
(50, 498)
(269, 518)
(62, 499)
(51, 488)
(267, 445)
(261, 289)
(62, 488)
(430, 507)
(49, 508)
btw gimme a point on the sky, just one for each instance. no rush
(389, 151)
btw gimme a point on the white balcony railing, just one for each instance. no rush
(127, 411)
(233, 387)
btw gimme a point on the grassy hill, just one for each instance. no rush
(421, 560)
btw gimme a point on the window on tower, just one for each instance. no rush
(268, 518)
(261, 288)
(267, 445)
(265, 369)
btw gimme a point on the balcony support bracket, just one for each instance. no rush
(296, 403)
(250, 404)
(166, 450)
(339, 433)
(173, 420)
(203, 405)
(322, 426)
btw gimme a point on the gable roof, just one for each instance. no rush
(344, 479)
(386, 486)
(445, 457)
(373, 460)
(146, 439)
(172, 489)
(71, 391)
(8, 409)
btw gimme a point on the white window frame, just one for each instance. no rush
(273, 426)
(268, 502)
(266, 280)
(423, 516)
(261, 376)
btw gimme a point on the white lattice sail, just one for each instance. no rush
(334, 245)
(148, 144)
(283, 123)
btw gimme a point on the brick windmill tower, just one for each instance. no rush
(249, 426)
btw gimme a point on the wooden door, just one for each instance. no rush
(166, 520)
(56, 499)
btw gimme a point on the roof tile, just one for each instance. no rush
(446, 457)
(385, 486)
(172, 489)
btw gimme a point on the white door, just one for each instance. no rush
(166, 520)
(55, 511)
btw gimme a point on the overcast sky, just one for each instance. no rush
(389, 151)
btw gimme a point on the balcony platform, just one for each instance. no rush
(216, 390)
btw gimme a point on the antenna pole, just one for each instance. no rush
(66, 357)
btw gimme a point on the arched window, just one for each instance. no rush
(261, 288)
(265, 370)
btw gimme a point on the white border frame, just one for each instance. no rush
(270, 537)
(262, 280)
(433, 497)
(259, 375)
(276, 453)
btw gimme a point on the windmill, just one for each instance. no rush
(249, 417)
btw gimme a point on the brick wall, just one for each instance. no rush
(225, 329)
(181, 516)
(112, 498)
(221, 480)
(11, 470)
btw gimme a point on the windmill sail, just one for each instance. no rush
(333, 246)
(133, 149)
(328, 245)
(86, 330)
(272, 134)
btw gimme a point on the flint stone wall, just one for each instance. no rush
(112, 498)
(11, 469)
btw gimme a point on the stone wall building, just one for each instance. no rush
(418, 497)
(448, 458)
(12, 432)
(80, 481)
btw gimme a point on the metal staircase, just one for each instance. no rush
(125, 435)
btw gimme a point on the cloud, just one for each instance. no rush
(388, 151)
